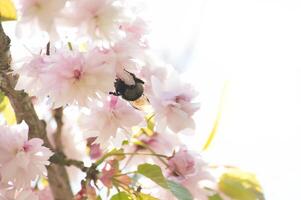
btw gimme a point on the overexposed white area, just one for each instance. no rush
(254, 45)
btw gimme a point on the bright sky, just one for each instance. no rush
(256, 46)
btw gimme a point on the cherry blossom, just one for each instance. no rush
(45, 194)
(73, 77)
(68, 76)
(172, 102)
(136, 29)
(188, 169)
(110, 172)
(105, 119)
(30, 74)
(21, 160)
(100, 19)
(42, 12)
(126, 55)
(10, 193)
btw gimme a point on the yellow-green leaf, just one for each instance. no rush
(121, 196)
(239, 185)
(7, 111)
(7, 10)
(153, 172)
(142, 196)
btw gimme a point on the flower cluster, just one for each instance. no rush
(122, 110)
(21, 161)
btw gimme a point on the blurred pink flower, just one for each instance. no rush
(42, 12)
(21, 160)
(45, 194)
(104, 120)
(95, 151)
(100, 19)
(189, 169)
(172, 102)
(31, 71)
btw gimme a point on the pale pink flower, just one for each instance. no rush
(21, 160)
(41, 12)
(104, 120)
(10, 193)
(126, 54)
(30, 74)
(45, 194)
(153, 67)
(137, 28)
(172, 102)
(110, 172)
(100, 19)
(74, 77)
(160, 142)
(95, 151)
(26, 195)
(189, 170)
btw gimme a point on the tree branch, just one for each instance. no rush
(58, 116)
(24, 110)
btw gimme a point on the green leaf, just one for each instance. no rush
(180, 192)
(154, 173)
(7, 10)
(215, 197)
(240, 185)
(142, 196)
(150, 120)
(121, 196)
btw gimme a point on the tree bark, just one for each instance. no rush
(24, 110)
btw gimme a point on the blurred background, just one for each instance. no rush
(244, 58)
(254, 46)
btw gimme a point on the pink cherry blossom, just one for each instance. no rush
(153, 67)
(45, 194)
(189, 170)
(136, 29)
(161, 142)
(100, 19)
(126, 54)
(95, 151)
(30, 74)
(73, 77)
(172, 102)
(68, 76)
(104, 120)
(41, 12)
(109, 172)
(10, 193)
(21, 160)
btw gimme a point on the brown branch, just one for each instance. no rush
(58, 116)
(24, 110)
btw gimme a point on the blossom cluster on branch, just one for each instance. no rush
(112, 111)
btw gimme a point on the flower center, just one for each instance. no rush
(77, 74)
